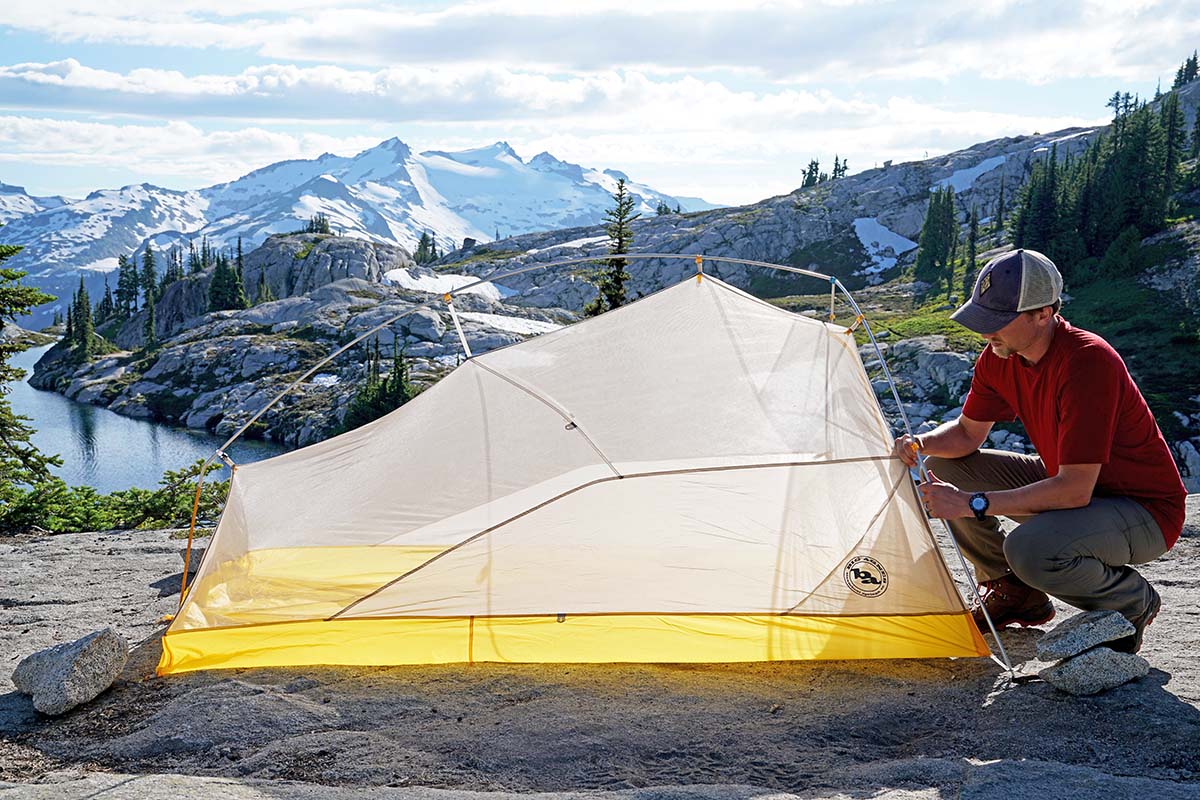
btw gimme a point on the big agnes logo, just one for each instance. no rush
(866, 576)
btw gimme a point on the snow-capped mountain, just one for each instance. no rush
(16, 202)
(386, 193)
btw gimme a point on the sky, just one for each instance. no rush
(722, 100)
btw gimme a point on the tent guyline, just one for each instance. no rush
(493, 370)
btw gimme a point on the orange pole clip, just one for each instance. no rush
(857, 321)
(446, 297)
(699, 268)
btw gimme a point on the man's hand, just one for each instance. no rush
(943, 500)
(906, 449)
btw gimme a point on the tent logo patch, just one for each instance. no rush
(866, 576)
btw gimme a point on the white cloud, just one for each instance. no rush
(175, 151)
(1021, 39)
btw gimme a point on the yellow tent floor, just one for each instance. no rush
(272, 608)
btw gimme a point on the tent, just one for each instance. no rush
(698, 476)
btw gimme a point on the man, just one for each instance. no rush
(1103, 492)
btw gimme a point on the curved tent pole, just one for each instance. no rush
(834, 284)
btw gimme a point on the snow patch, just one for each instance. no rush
(103, 265)
(882, 244)
(510, 324)
(325, 379)
(445, 282)
(963, 179)
(574, 243)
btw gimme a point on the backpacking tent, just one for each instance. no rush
(698, 476)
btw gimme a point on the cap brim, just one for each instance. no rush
(982, 320)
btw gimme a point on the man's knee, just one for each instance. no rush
(1031, 555)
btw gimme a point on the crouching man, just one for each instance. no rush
(1102, 493)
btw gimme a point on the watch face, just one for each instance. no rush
(978, 504)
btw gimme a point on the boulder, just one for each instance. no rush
(1082, 632)
(61, 677)
(1095, 670)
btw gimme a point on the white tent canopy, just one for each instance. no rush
(696, 476)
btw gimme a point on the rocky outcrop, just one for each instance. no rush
(293, 265)
(818, 227)
(223, 367)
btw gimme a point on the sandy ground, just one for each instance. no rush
(893, 729)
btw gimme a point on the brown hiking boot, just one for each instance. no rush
(1133, 643)
(1008, 600)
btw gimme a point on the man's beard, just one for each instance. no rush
(1001, 351)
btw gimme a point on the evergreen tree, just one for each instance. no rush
(1195, 152)
(262, 292)
(610, 284)
(226, 290)
(377, 395)
(21, 464)
(938, 239)
(106, 308)
(149, 339)
(812, 174)
(1174, 139)
(194, 266)
(127, 286)
(318, 223)
(58, 318)
(69, 334)
(971, 265)
(421, 256)
(84, 328)
(149, 279)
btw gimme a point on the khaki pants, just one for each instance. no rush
(1079, 555)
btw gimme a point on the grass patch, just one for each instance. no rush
(477, 256)
(303, 252)
(1155, 334)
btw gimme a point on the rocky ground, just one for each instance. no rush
(893, 729)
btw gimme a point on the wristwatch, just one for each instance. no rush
(979, 504)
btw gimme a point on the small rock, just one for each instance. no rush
(1082, 632)
(61, 677)
(1096, 670)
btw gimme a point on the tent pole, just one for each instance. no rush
(462, 337)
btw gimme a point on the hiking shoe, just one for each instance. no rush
(1133, 643)
(1008, 600)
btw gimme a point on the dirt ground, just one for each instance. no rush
(895, 729)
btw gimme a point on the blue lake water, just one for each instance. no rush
(105, 450)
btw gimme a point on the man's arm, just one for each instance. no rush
(1072, 487)
(955, 439)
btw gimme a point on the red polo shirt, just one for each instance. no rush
(1080, 406)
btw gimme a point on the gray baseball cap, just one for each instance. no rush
(1016, 281)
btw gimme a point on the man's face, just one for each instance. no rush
(1018, 335)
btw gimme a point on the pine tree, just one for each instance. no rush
(812, 174)
(610, 284)
(21, 464)
(127, 286)
(84, 328)
(149, 339)
(421, 256)
(1174, 135)
(262, 292)
(69, 334)
(318, 223)
(149, 279)
(193, 260)
(971, 265)
(938, 239)
(106, 308)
